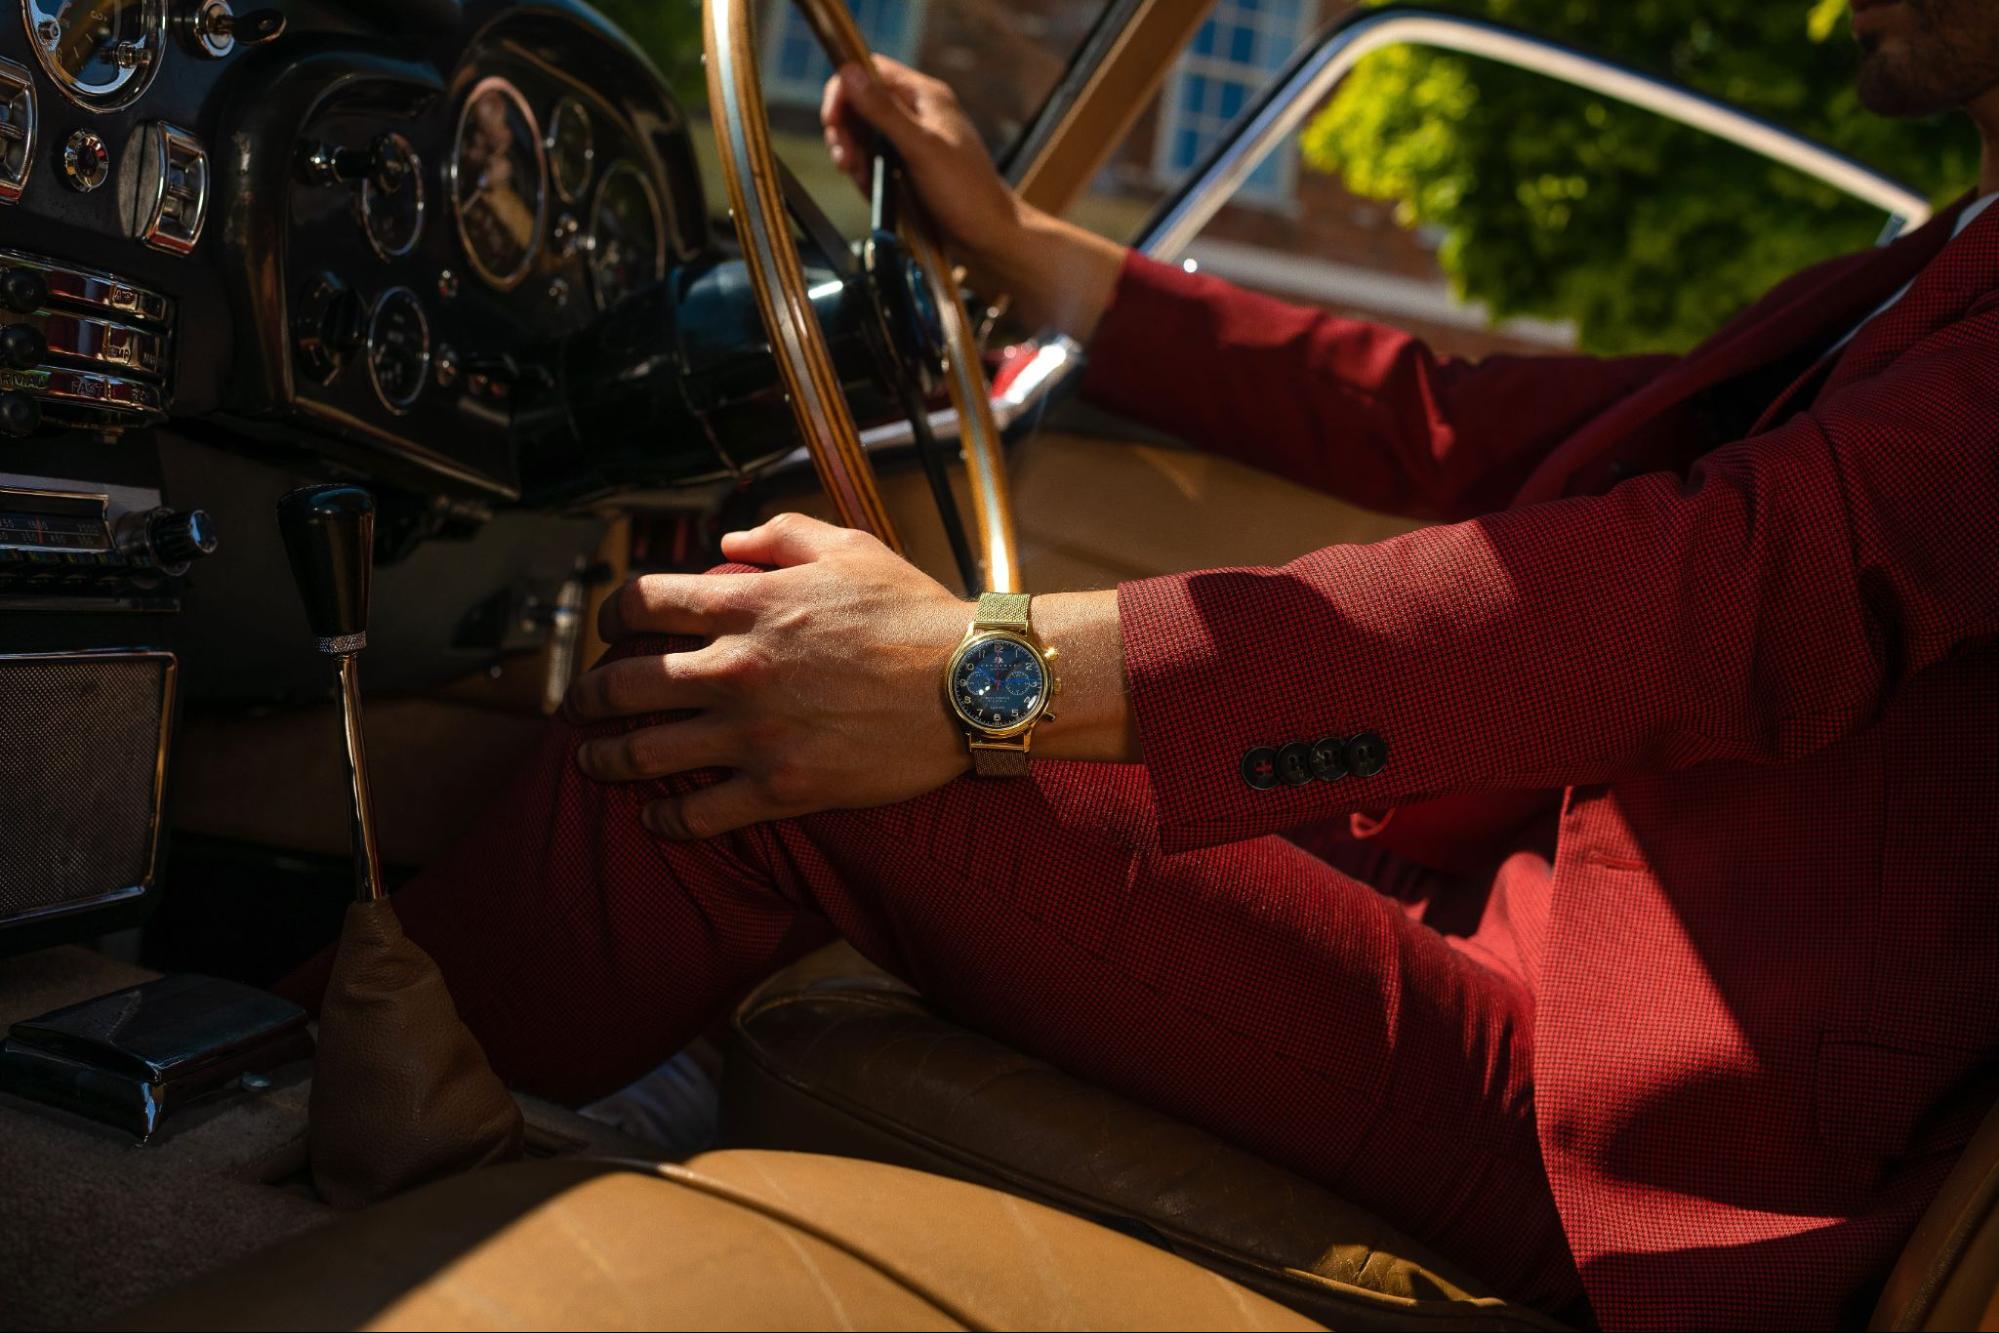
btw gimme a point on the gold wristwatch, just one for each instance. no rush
(999, 684)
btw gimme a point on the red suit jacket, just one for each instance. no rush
(1760, 671)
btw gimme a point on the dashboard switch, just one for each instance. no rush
(213, 27)
(21, 347)
(23, 290)
(19, 414)
(328, 325)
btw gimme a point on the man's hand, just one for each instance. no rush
(1058, 274)
(821, 688)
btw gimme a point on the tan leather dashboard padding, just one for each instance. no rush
(729, 1240)
(835, 1056)
(1948, 1275)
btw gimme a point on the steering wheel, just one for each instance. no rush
(924, 332)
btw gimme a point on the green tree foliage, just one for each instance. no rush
(1560, 204)
(670, 32)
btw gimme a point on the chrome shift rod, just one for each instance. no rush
(329, 534)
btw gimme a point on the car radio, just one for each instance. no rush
(88, 546)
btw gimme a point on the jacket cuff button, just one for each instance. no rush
(1329, 759)
(1367, 754)
(1259, 768)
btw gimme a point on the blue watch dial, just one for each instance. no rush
(998, 684)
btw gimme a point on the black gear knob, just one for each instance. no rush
(329, 534)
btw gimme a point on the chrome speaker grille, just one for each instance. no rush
(82, 755)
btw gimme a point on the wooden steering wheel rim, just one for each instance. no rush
(756, 203)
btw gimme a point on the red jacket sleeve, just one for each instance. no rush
(1355, 409)
(1762, 607)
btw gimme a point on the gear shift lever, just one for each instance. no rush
(401, 1090)
(329, 534)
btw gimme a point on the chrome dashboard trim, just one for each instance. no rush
(617, 168)
(82, 388)
(129, 87)
(504, 86)
(75, 285)
(105, 342)
(17, 131)
(167, 148)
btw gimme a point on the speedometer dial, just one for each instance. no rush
(627, 235)
(499, 183)
(101, 53)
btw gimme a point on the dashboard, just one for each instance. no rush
(361, 229)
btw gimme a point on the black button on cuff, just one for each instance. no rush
(1367, 754)
(1329, 759)
(1259, 768)
(1294, 764)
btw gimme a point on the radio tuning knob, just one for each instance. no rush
(178, 539)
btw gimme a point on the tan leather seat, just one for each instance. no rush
(727, 1240)
(835, 1056)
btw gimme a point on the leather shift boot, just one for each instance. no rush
(401, 1091)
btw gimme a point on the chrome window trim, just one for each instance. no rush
(1313, 76)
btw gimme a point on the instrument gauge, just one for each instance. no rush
(102, 54)
(572, 154)
(499, 183)
(627, 235)
(391, 200)
(398, 348)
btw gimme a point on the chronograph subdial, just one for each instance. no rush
(398, 348)
(998, 684)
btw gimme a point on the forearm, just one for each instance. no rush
(1093, 719)
(1059, 275)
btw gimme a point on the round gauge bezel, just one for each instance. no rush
(570, 194)
(986, 729)
(625, 167)
(508, 281)
(375, 243)
(133, 83)
(398, 406)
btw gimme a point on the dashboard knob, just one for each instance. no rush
(22, 290)
(19, 414)
(22, 347)
(178, 539)
(384, 163)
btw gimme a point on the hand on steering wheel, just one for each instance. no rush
(924, 323)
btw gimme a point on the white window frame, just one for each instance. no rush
(792, 92)
(1172, 116)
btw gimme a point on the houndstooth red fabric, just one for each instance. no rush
(1704, 1059)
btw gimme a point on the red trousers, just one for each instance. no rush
(1253, 989)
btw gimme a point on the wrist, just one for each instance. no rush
(1093, 719)
(1060, 275)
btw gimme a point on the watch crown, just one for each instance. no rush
(1051, 654)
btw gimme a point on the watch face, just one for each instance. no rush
(998, 684)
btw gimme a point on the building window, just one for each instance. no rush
(796, 70)
(1231, 59)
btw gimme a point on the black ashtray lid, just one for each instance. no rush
(163, 1029)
